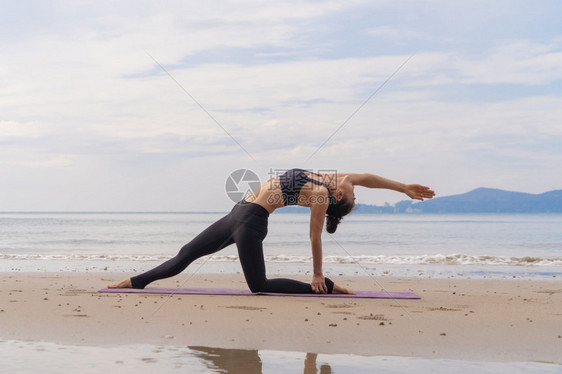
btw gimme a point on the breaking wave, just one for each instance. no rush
(452, 259)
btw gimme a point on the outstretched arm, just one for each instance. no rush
(414, 191)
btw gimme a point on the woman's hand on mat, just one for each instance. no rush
(319, 284)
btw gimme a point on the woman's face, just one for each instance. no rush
(347, 189)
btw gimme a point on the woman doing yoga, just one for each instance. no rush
(329, 197)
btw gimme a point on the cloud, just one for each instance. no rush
(516, 62)
(84, 105)
(14, 130)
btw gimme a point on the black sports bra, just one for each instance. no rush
(292, 182)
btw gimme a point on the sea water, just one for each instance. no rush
(34, 357)
(421, 245)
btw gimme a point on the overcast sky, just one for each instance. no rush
(89, 120)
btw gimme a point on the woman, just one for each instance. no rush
(329, 196)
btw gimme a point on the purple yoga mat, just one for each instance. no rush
(238, 292)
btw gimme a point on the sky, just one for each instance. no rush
(150, 106)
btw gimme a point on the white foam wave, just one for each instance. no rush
(452, 259)
(83, 257)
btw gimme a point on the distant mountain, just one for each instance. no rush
(480, 200)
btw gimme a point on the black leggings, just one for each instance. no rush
(245, 225)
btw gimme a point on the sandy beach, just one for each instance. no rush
(488, 320)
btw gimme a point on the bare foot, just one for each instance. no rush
(125, 284)
(338, 289)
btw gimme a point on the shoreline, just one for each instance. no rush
(462, 319)
(291, 269)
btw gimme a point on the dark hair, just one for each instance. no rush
(335, 213)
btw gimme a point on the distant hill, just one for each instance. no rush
(480, 200)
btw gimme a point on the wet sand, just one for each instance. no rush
(486, 320)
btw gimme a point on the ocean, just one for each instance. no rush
(420, 245)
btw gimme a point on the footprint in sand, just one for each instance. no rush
(373, 317)
(245, 307)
